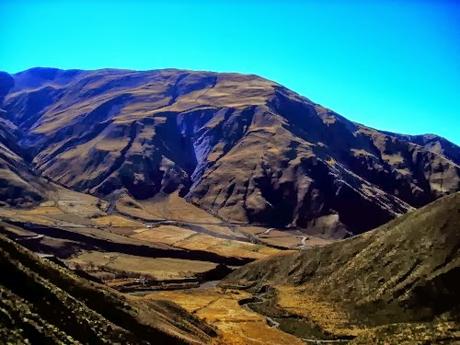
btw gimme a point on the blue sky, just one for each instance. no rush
(393, 65)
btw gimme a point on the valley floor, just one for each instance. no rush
(236, 324)
(167, 249)
(160, 244)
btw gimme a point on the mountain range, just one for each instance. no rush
(186, 207)
(241, 147)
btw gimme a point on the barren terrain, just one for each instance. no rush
(188, 207)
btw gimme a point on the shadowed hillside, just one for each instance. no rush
(239, 146)
(19, 186)
(43, 303)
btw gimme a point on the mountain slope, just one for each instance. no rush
(404, 271)
(239, 146)
(19, 186)
(435, 144)
(42, 303)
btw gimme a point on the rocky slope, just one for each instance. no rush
(43, 303)
(404, 271)
(239, 146)
(19, 185)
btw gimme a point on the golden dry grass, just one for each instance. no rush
(121, 228)
(63, 207)
(303, 302)
(225, 247)
(158, 268)
(438, 332)
(235, 324)
(173, 207)
(167, 234)
(188, 239)
(132, 208)
(117, 221)
(39, 215)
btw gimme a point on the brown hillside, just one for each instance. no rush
(404, 271)
(239, 146)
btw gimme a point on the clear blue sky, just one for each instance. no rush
(393, 65)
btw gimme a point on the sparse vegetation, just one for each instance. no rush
(404, 271)
(151, 186)
(44, 303)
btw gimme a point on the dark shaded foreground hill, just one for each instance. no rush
(43, 303)
(403, 277)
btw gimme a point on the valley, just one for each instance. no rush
(122, 250)
(191, 207)
(149, 257)
(276, 308)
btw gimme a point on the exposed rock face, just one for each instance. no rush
(239, 146)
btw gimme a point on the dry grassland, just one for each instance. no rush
(156, 268)
(235, 324)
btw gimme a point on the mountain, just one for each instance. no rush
(241, 147)
(403, 272)
(44, 303)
